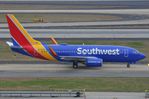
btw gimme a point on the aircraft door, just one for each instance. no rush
(125, 52)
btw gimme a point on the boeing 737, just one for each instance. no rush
(90, 55)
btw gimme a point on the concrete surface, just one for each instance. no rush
(94, 95)
(66, 70)
(108, 11)
(130, 22)
(76, 4)
(114, 95)
(85, 33)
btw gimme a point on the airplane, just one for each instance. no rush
(89, 55)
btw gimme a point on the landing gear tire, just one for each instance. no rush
(75, 65)
(128, 65)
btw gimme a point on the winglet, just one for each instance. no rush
(53, 40)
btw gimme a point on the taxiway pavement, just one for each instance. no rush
(108, 11)
(66, 70)
(85, 33)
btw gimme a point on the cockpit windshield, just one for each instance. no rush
(136, 51)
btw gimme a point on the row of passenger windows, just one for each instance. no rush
(58, 51)
(65, 51)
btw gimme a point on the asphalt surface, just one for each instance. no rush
(94, 95)
(85, 33)
(66, 70)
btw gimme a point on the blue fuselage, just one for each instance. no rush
(108, 53)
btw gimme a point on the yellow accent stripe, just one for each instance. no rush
(36, 44)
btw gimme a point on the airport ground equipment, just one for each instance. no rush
(38, 20)
(49, 93)
(146, 94)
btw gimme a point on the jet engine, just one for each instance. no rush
(93, 62)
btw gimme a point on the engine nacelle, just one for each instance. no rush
(93, 62)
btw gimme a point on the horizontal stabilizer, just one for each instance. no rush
(9, 43)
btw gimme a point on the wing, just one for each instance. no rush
(88, 61)
(74, 58)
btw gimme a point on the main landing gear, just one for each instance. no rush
(75, 64)
(128, 65)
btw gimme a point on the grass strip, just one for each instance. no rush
(90, 84)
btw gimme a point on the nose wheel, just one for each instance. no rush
(128, 65)
(75, 65)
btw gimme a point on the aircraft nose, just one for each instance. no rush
(142, 56)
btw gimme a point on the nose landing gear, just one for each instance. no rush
(128, 65)
(75, 65)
